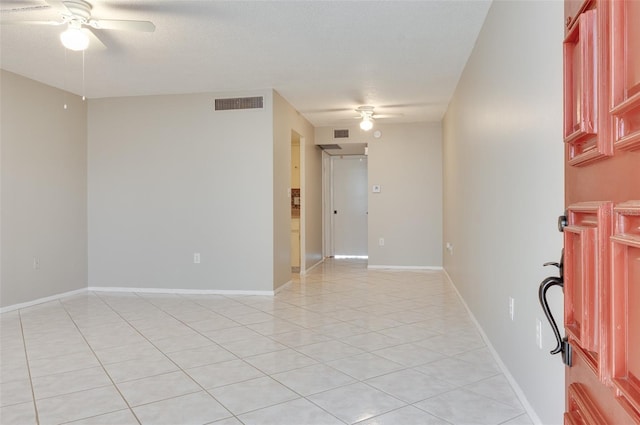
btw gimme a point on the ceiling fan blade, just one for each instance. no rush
(24, 9)
(387, 115)
(94, 41)
(23, 22)
(351, 119)
(116, 24)
(322, 111)
(58, 5)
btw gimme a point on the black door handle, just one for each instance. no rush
(559, 265)
(563, 345)
(542, 295)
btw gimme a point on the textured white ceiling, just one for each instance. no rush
(325, 57)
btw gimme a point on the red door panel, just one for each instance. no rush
(626, 308)
(580, 284)
(581, 94)
(581, 409)
(625, 81)
(586, 242)
(602, 198)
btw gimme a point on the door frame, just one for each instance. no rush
(303, 262)
(301, 177)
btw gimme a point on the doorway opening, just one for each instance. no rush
(296, 203)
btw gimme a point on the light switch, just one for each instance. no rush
(376, 188)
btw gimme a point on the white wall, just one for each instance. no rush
(503, 188)
(168, 177)
(285, 120)
(407, 162)
(43, 185)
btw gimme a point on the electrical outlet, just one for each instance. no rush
(539, 333)
(511, 307)
(36, 263)
(381, 241)
(449, 247)
(196, 258)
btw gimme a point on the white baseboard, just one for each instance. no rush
(42, 300)
(378, 267)
(514, 384)
(282, 287)
(141, 291)
(178, 291)
(303, 272)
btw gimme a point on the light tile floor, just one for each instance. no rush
(341, 345)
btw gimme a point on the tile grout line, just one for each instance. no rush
(101, 364)
(26, 356)
(166, 356)
(242, 359)
(238, 358)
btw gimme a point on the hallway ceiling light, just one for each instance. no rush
(366, 113)
(367, 123)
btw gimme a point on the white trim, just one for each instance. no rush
(42, 300)
(303, 199)
(405, 267)
(178, 291)
(281, 287)
(514, 384)
(303, 272)
(142, 291)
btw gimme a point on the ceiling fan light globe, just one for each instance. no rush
(366, 124)
(74, 39)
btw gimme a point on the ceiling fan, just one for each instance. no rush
(76, 15)
(367, 115)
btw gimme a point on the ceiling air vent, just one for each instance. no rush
(239, 103)
(341, 134)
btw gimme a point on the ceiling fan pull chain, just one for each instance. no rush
(83, 85)
(64, 81)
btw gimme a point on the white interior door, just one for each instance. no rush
(349, 206)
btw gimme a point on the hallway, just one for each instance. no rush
(340, 345)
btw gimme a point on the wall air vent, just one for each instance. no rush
(325, 147)
(341, 134)
(239, 103)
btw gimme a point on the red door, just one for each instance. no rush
(602, 198)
